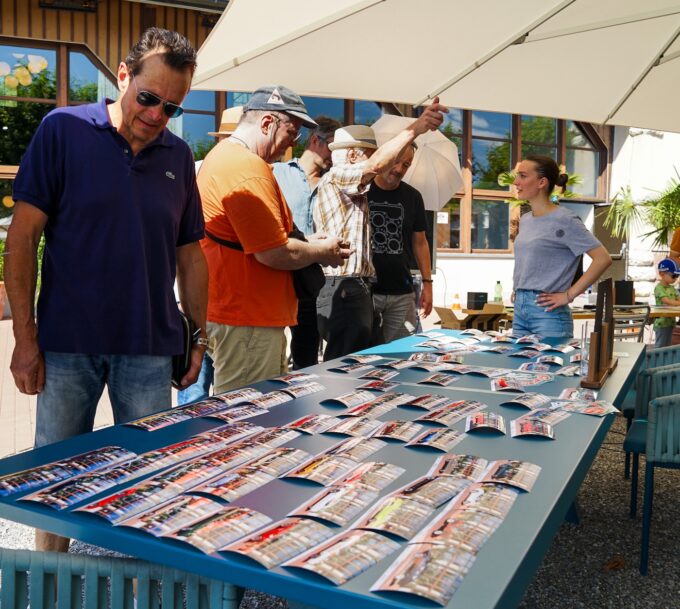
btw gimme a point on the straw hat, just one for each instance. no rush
(230, 119)
(354, 136)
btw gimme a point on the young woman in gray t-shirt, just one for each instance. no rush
(547, 249)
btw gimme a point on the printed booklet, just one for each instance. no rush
(281, 541)
(345, 556)
(487, 421)
(356, 449)
(338, 504)
(396, 515)
(440, 439)
(214, 532)
(525, 426)
(349, 368)
(379, 385)
(58, 471)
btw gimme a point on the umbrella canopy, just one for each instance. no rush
(611, 61)
(435, 171)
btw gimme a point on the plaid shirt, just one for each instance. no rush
(341, 210)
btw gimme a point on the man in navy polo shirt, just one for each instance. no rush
(115, 194)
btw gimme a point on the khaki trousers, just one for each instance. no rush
(245, 354)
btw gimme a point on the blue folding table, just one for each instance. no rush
(505, 564)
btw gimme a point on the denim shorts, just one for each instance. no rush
(530, 318)
(138, 385)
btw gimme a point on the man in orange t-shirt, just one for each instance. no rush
(251, 298)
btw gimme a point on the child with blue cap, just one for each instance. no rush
(666, 294)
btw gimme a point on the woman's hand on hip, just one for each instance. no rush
(553, 300)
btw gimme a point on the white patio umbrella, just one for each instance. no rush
(435, 171)
(618, 60)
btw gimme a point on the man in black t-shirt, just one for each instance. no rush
(397, 237)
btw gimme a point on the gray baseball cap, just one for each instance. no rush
(277, 98)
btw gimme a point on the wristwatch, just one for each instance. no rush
(428, 280)
(199, 340)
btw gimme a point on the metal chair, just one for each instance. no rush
(662, 450)
(43, 580)
(630, 322)
(665, 356)
(652, 383)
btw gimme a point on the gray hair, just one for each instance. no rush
(252, 117)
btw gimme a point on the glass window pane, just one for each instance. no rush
(319, 106)
(332, 108)
(528, 149)
(539, 130)
(488, 160)
(585, 163)
(237, 99)
(453, 123)
(200, 100)
(448, 233)
(490, 225)
(86, 82)
(193, 129)
(492, 124)
(18, 123)
(458, 141)
(27, 72)
(576, 137)
(366, 112)
(6, 201)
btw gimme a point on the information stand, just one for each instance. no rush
(601, 361)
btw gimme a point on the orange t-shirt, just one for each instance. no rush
(675, 241)
(242, 202)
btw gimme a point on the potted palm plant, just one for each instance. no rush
(661, 212)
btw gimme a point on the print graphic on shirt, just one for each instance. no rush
(387, 222)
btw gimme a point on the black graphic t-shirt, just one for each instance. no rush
(395, 216)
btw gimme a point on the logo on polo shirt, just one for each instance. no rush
(170, 175)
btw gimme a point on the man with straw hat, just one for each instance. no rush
(345, 303)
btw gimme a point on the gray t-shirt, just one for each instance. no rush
(547, 249)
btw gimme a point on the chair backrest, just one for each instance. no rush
(663, 430)
(664, 356)
(41, 579)
(654, 383)
(630, 322)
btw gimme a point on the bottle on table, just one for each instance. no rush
(455, 305)
(498, 292)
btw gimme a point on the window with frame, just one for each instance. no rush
(28, 91)
(479, 219)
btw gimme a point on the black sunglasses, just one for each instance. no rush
(148, 99)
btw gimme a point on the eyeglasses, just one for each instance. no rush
(148, 100)
(293, 131)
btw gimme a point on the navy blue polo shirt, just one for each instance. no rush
(114, 223)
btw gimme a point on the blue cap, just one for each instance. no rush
(668, 265)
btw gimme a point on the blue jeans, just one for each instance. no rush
(201, 388)
(138, 385)
(530, 318)
(663, 337)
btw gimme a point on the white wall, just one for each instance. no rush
(645, 160)
(460, 274)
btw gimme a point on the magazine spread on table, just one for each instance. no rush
(184, 492)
